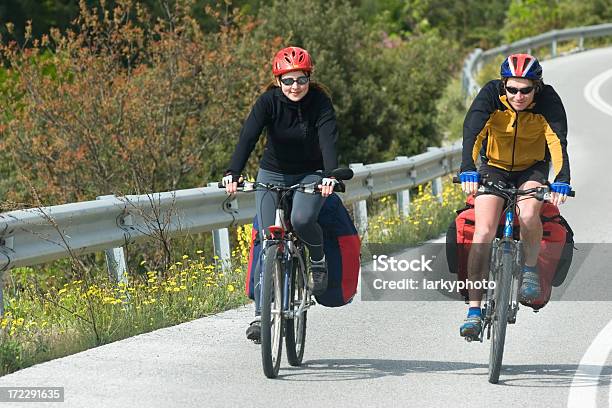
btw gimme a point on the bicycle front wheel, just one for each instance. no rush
(295, 329)
(503, 282)
(271, 313)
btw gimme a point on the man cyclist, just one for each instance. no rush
(518, 127)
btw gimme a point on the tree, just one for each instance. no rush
(384, 89)
(121, 105)
(527, 18)
(469, 23)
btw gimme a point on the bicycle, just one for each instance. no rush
(284, 293)
(502, 299)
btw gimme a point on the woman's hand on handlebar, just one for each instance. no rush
(327, 186)
(230, 182)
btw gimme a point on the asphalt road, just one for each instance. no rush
(404, 353)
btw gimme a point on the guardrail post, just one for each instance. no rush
(581, 43)
(436, 188)
(360, 210)
(7, 242)
(221, 240)
(436, 184)
(115, 257)
(553, 48)
(1, 295)
(403, 197)
(403, 202)
(117, 268)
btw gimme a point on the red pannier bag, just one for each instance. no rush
(554, 259)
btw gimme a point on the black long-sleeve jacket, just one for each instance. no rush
(512, 140)
(301, 136)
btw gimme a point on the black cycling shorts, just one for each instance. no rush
(538, 172)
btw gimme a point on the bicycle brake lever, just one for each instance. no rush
(309, 189)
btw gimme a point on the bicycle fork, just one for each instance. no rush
(505, 245)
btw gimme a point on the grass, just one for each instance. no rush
(46, 318)
(429, 216)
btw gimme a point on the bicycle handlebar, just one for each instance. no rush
(309, 188)
(339, 174)
(493, 187)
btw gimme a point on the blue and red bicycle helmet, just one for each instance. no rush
(521, 66)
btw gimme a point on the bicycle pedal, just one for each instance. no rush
(472, 338)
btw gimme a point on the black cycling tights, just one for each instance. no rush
(305, 212)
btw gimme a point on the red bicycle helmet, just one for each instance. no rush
(291, 59)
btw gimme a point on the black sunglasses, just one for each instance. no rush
(303, 80)
(525, 91)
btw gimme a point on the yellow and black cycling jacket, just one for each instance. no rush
(512, 140)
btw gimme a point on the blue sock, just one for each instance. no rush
(529, 268)
(474, 311)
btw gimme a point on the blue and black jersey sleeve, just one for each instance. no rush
(485, 103)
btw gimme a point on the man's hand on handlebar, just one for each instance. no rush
(469, 181)
(559, 192)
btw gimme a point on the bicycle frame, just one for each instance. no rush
(290, 250)
(507, 245)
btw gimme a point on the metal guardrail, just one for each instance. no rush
(38, 235)
(473, 63)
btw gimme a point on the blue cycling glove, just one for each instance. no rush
(469, 176)
(561, 188)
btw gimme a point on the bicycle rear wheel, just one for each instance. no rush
(271, 313)
(503, 282)
(295, 328)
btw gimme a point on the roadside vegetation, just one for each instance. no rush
(48, 315)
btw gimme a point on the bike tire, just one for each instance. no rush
(503, 282)
(271, 313)
(295, 328)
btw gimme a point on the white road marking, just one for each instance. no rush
(583, 391)
(592, 95)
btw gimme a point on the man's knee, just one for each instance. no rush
(484, 234)
(529, 219)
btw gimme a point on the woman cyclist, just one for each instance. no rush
(300, 148)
